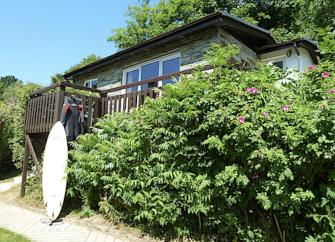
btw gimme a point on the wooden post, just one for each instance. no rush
(24, 170)
(89, 115)
(33, 154)
(58, 105)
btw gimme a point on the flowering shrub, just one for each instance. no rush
(253, 90)
(225, 155)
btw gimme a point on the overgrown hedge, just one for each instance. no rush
(12, 110)
(229, 155)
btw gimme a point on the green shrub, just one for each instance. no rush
(227, 155)
(12, 110)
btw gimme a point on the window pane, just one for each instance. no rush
(171, 66)
(149, 71)
(132, 76)
(279, 64)
(94, 84)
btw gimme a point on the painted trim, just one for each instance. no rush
(138, 67)
(89, 81)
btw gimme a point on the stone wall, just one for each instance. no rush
(246, 54)
(192, 50)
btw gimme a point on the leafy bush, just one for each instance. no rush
(12, 110)
(4, 151)
(227, 155)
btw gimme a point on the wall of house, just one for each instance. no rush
(290, 58)
(246, 54)
(192, 50)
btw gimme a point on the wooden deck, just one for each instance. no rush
(44, 106)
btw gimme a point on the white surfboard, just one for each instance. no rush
(53, 175)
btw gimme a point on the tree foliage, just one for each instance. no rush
(6, 81)
(58, 77)
(12, 110)
(231, 155)
(287, 18)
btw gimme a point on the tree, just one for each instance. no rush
(6, 81)
(287, 18)
(84, 62)
(146, 21)
(321, 13)
(58, 77)
(12, 110)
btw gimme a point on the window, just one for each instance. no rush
(149, 71)
(152, 69)
(132, 76)
(170, 66)
(279, 64)
(91, 83)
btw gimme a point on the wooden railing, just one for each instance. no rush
(44, 106)
(62, 86)
(113, 101)
(155, 80)
(42, 112)
(126, 102)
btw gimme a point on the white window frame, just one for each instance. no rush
(138, 67)
(90, 82)
(272, 60)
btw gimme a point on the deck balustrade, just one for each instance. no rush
(44, 106)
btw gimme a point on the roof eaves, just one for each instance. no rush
(207, 19)
(311, 47)
(268, 32)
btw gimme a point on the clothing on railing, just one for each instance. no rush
(72, 116)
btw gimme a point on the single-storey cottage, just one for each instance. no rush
(185, 48)
(122, 81)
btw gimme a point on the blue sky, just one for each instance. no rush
(39, 38)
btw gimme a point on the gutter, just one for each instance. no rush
(309, 45)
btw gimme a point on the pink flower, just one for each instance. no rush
(241, 119)
(325, 74)
(331, 91)
(265, 114)
(311, 67)
(252, 90)
(285, 108)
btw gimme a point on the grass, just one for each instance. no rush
(8, 236)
